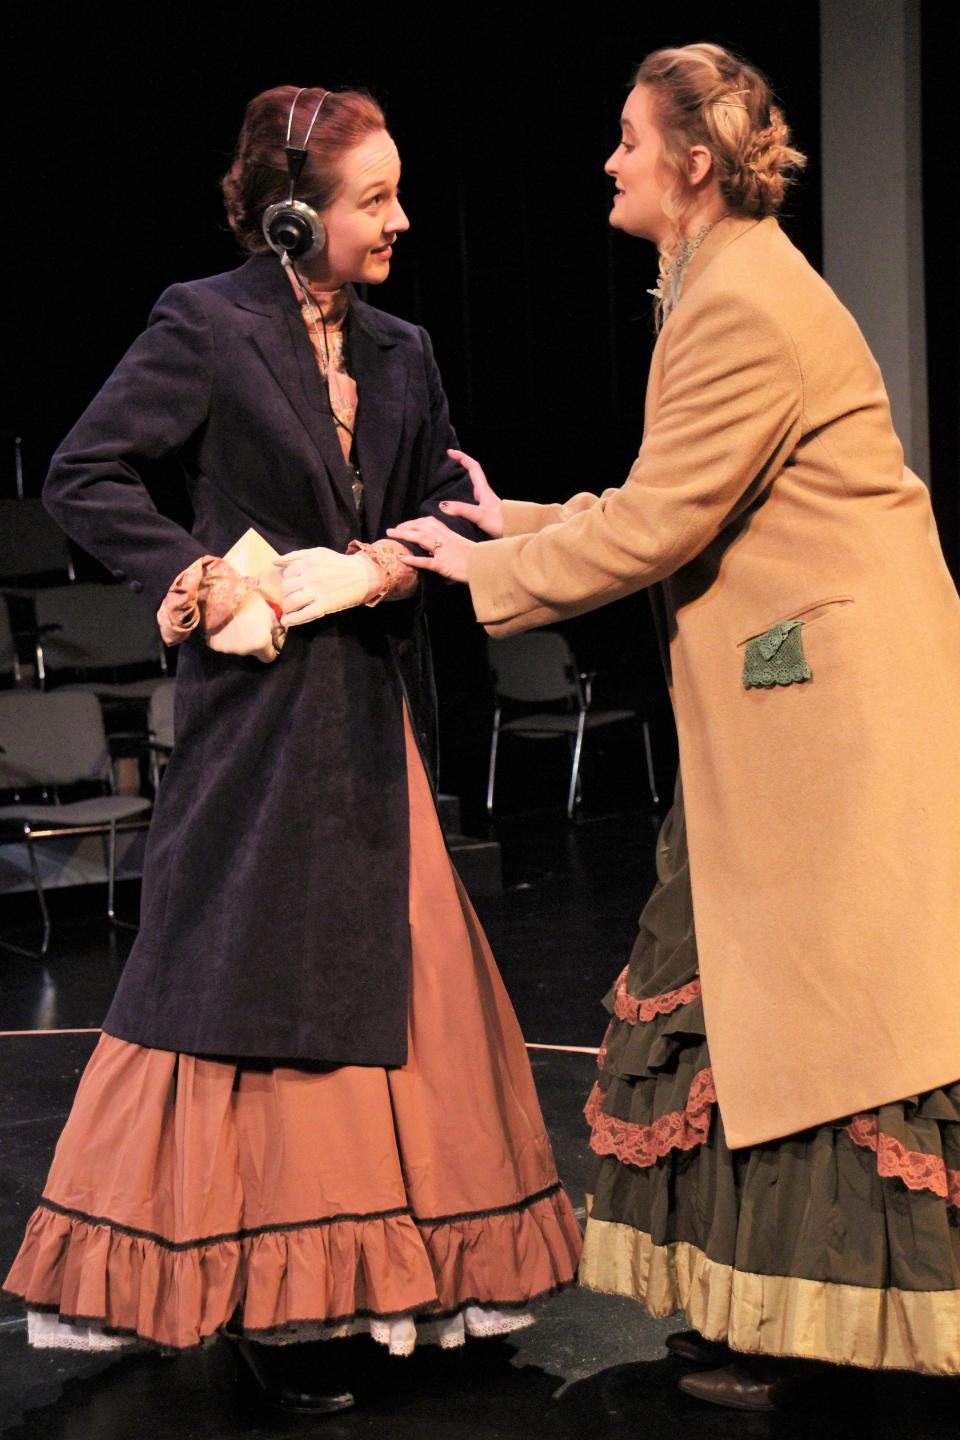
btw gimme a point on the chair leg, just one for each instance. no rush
(575, 771)
(491, 774)
(649, 752)
(112, 882)
(111, 870)
(44, 912)
(41, 897)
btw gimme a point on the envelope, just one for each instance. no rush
(253, 556)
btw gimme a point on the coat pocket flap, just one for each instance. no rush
(805, 614)
(776, 657)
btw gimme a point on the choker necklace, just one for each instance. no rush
(332, 305)
(668, 287)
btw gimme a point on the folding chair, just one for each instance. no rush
(53, 740)
(9, 659)
(539, 668)
(31, 543)
(160, 722)
(105, 628)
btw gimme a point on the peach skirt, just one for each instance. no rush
(188, 1194)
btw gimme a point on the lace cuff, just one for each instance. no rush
(208, 593)
(398, 581)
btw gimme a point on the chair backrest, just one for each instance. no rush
(535, 666)
(99, 627)
(31, 542)
(8, 648)
(51, 738)
(161, 712)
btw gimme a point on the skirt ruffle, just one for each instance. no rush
(315, 1278)
(191, 1194)
(841, 1243)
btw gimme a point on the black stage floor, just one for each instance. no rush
(594, 1366)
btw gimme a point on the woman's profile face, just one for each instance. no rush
(365, 218)
(638, 171)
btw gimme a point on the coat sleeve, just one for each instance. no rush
(526, 517)
(729, 413)
(154, 401)
(445, 479)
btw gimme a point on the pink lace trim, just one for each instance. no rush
(207, 593)
(643, 1145)
(894, 1161)
(629, 1008)
(398, 580)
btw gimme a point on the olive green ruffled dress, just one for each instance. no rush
(840, 1244)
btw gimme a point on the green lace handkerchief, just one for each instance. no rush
(776, 657)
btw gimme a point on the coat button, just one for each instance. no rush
(136, 586)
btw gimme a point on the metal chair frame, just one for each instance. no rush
(161, 730)
(32, 543)
(30, 833)
(9, 656)
(574, 724)
(29, 823)
(78, 625)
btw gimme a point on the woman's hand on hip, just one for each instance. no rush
(449, 552)
(487, 513)
(319, 582)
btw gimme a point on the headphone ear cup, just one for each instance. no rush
(294, 229)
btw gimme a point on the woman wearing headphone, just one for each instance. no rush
(777, 1121)
(279, 1134)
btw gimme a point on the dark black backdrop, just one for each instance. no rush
(121, 127)
(121, 122)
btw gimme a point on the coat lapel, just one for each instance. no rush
(722, 234)
(730, 228)
(381, 376)
(278, 333)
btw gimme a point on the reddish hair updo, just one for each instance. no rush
(259, 177)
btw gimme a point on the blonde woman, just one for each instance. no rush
(777, 1118)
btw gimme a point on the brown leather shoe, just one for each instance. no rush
(695, 1348)
(738, 1386)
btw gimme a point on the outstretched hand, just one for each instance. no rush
(487, 513)
(449, 552)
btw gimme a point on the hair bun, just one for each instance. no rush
(704, 95)
(757, 181)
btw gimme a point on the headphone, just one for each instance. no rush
(292, 229)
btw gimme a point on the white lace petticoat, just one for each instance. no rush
(400, 1336)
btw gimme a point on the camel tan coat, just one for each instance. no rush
(823, 817)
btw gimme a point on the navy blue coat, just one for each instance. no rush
(274, 918)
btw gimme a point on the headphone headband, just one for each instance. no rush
(293, 107)
(293, 230)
